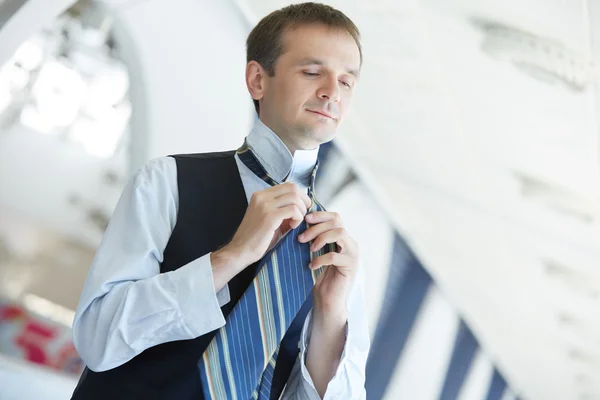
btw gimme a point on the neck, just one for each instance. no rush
(281, 160)
(287, 143)
(291, 145)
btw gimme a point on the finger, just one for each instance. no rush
(316, 230)
(294, 223)
(304, 198)
(321, 216)
(307, 201)
(344, 243)
(331, 236)
(289, 212)
(342, 262)
(301, 195)
(289, 199)
(279, 190)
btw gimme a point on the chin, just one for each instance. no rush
(324, 137)
(319, 133)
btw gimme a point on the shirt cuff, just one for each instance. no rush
(198, 302)
(223, 296)
(304, 342)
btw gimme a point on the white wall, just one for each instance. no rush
(190, 95)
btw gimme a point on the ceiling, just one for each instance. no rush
(485, 160)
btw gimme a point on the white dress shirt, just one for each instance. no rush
(128, 306)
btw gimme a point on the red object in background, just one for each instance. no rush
(34, 339)
(11, 312)
(37, 340)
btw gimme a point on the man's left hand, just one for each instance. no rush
(332, 287)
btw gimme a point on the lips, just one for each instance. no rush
(323, 113)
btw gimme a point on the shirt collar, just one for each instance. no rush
(276, 158)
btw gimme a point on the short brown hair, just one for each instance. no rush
(264, 44)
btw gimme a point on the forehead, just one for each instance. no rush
(334, 46)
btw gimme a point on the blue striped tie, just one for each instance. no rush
(240, 361)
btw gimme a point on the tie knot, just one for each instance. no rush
(247, 156)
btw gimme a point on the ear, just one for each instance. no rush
(255, 79)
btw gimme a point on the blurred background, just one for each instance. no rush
(468, 171)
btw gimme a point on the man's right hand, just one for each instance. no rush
(271, 213)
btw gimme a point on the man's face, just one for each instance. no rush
(313, 85)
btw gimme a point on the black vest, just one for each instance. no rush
(212, 204)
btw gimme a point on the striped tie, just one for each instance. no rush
(240, 361)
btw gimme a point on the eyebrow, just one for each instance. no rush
(316, 61)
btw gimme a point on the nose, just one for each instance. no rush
(329, 91)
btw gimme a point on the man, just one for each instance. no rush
(191, 232)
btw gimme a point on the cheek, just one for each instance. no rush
(346, 102)
(298, 96)
(288, 95)
(344, 106)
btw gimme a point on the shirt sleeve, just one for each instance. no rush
(349, 379)
(127, 305)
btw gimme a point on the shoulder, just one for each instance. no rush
(193, 166)
(203, 156)
(161, 173)
(158, 175)
(155, 171)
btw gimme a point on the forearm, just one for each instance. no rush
(226, 263)
(116, 320)
(328, 337)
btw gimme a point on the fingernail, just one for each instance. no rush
(301, 236)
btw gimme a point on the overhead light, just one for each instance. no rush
(19, 79)
(33, 119)
(29, 55)
(67, 80)
(101, 137)
(105, 91)
(58, 93)
(93, 138)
